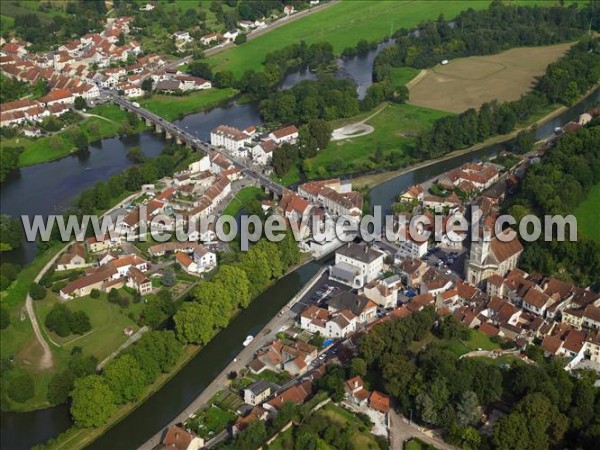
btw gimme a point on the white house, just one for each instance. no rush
(230, 35)
(357, 265)
(182, 37)
(286, 134)
(263, 153)
(228, 137)
(257, 392)
(210, 38)
(384, 292)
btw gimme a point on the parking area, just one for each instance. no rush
(450, 260)
(319, 293)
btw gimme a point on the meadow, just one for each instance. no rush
(468, 82)
(588, 214)
(172, 107)
(394, 130)
(343, 25)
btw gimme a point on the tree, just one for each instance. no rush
(235, 280)
(147, 84)
(80, 140)
(125, 378)
(79, 322)
(468, 411)
(20, 387)
(60, 387)
(80, 103)
(201, 69)
(59, 320)
(358, 367)
(240, 39)
(168, 278)
(95, 293)
(4, 317)
(10, 230)
(93, 402)
(37, 292)
(510, 433)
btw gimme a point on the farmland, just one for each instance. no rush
(588, 214)
(468, 82)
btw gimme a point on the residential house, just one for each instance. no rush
(287, 134)
(359, 305)
(230, 35)
(356, 392)
(257, 392)
(179, 439)
(384, 292)
(210, 38)
(296, 394)
(339, 324)
(262, 153)
(73, 258)
(138, 281)
(334, 195)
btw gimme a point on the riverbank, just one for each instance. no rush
(374, 179)
(104, 121)
(75, 438)
(174, 107)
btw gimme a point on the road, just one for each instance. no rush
(401, 431)
(266, 335)
(195, 142)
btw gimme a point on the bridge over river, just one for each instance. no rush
(183, 137)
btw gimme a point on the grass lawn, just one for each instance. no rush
(243, 196)
(108, 322)
(268, 375)
(394, 129)
(343, 25)
(477, 340)
(402, 75)
(61, 144)
(210, 421)
(173, 107)
(417, 444)
(588, 214)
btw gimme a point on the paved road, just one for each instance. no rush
(266, 335)
(401, 431)
(196, 143)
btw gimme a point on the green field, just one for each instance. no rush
(343, 25)
(588, 214)
(394, 131)
(244, 196)
(173, 107)
(476, 341)
(108, 322)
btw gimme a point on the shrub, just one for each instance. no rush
(20, 387)
(4, 317)
(95, 293)
(37, 291)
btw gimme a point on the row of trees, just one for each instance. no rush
(484, 32)
(549, 406)
(95, 397)
(557, 185)
(564, 82)
(234, 286)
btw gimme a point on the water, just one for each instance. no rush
(51, 187)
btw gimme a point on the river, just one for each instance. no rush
(51, 187)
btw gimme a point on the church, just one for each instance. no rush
(491, 257)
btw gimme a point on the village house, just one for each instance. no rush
(356, 392)
(340, 324)
(201, 260)
(179, 439)
(334, 195)
(296, 394)
(230, 35)
(287, 134)
(73, 258)
(357, 264)
(210, 38)
(384, 292)
(294, 358)
(364, 309)
(262, 153)
(257, 392)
